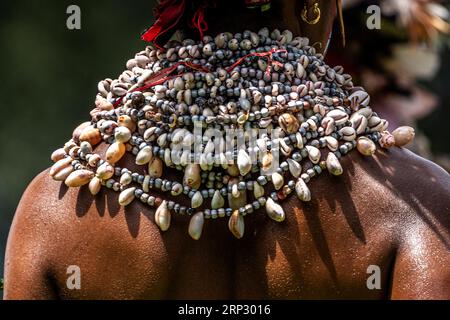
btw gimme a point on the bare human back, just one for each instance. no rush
(387, 212)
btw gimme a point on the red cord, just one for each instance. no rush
(268, 54)
(164, 74)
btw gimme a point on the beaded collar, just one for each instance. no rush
(248, 117)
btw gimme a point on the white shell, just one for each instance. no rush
(313, 154)
(188, 140)
(79, 178)
(177, 189)
(295, 168)
(236, 201)
(145, 183)
(284, 148)
(244, 162)
(155, 168)
(217, 200)
(95, 186)
(197, 200)
(403, 135)
(359, 99)
(366, 146)
(178, 134)
(274, 210)
(277, 180)
(192, 176)
(340, 117)
(328, 125)
(115, 152)
(126, 196)
(144, 156)
(196, 225)
(258, 190)
(125, 179)
(58, 154)
(204, 163)
(366, 112)
(302, 190)
(348, 133)
(122, 134)
(167, 159)
(63, 173)
(59, 165)
(267, 161)
(105, 171)
(162, 140)
(184, 159)
(262, 145)
(359, 122)
(210, 147)
(236, 224)
(163, 216)
(333, 164)
(299, 138)
(332, 143)
(300, 72)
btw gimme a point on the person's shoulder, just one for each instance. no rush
(413, 171)
(45, 195)
(402, 187)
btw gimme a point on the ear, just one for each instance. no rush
(318, 33)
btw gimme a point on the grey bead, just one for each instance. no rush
(262, 180)
(317, 169)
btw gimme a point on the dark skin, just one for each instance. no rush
(391, 210)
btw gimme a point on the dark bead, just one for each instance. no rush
(262, 180)
(343, 149)
(291, 184)
(317, 169)
(274, 196)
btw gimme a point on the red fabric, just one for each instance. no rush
(168, 15)
(168, 18)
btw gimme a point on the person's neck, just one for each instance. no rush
(234, 17)
(228, 19)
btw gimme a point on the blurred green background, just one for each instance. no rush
(49, 77)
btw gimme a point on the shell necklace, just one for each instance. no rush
(250, 118)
